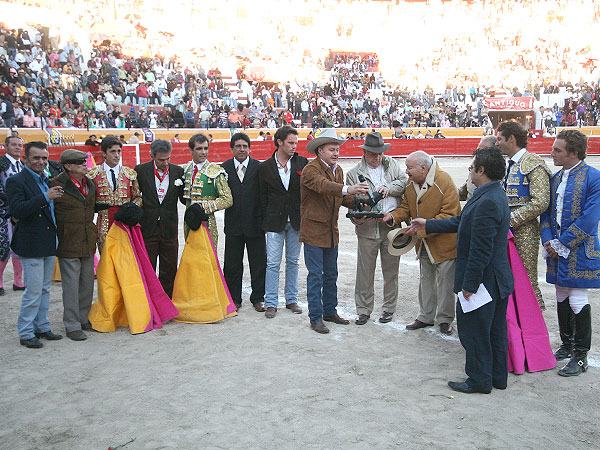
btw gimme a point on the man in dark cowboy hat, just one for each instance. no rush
(385, 175)
(322, 192)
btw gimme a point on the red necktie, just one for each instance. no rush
(194, 175)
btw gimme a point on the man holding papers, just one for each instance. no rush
(481, 266)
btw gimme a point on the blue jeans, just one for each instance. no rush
(35, 303)
(321, 287)
(275, 242)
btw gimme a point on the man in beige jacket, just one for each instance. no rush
(431, 194)
(384, 175)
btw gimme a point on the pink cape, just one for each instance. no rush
(161, 306)
(528, 340)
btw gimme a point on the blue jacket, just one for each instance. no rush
(34, 235)
(579, 226)
(481, 252)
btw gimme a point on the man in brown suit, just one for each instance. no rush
(322, 193)
(77, 235)
(431, 194)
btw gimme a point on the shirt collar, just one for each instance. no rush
(41, 177)
(201, 165)
(517, 156)
(107, 168)
(244, 163)
(327, 165)
(568, 171)
(12, 160)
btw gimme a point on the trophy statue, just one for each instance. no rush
(362, 206)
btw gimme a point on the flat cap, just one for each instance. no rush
(71, 156)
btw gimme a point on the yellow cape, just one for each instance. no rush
(200, 293)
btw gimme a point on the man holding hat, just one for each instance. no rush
(322, 193)
(77, 235)
(383, 174)
(431, 195)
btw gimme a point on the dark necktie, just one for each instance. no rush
(510, 164)
(114, 179)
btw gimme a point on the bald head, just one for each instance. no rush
(417, 166)
(486, 142)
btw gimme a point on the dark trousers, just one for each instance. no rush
(166, 249)
(482, 333)
(234, 266)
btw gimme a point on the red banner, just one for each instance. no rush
(509, 103)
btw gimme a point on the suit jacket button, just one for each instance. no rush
(47, 228)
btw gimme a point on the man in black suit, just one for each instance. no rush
(279, 183)
(481, 259)
(243, 224)
(31, 201)
(161, 185)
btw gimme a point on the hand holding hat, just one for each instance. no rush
(194, 216)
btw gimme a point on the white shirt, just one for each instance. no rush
(116, 170)
(237, 164)
(560, 195)
(161, 186)
(378, 178)
(284, 172)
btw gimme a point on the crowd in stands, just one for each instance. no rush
(45, 83)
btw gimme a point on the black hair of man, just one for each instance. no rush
(576, 142)
(512, 128)
(237, 137)
(160, 146)
(282, 133)
(197, 139)
(109, 141)
(492, 161)
(35, 144)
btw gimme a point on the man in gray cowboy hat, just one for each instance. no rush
(322, 192)
(385, 175)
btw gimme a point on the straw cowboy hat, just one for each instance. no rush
(322, 137)
(399, 242)
(374, 143)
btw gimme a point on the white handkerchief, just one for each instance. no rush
(477, 300)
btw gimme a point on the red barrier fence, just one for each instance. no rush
(261, 150)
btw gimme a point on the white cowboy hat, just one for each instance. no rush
(399, 242)
(322, 137)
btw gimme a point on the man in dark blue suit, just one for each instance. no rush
(31, 202)
(481, 259)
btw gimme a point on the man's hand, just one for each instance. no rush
(416, 225)
(358, 188)
(385, 191)
(551, 252)
(466, 295)
(54, 192)
(388, 219)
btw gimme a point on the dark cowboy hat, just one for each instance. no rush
(374, 143)
(194, 216)
(130, 214)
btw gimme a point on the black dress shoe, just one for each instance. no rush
(49, 335)
(418, 324)
(319, 327)
(446, 328)
(362, 319)
(2, 292)
(386, 317)
(86, 326)
(18, 288)
(335, 318)
(499, 386)
(259, 306)
(31, 343)
(238, 305)
(271, 312)
(465, 388)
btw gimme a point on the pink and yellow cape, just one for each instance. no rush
(200, 292)
(129, 292)
(528, 340)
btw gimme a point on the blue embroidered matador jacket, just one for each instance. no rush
(579, 229)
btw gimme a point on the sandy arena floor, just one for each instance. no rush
(253, 383)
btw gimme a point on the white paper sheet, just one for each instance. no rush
(477, 300)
